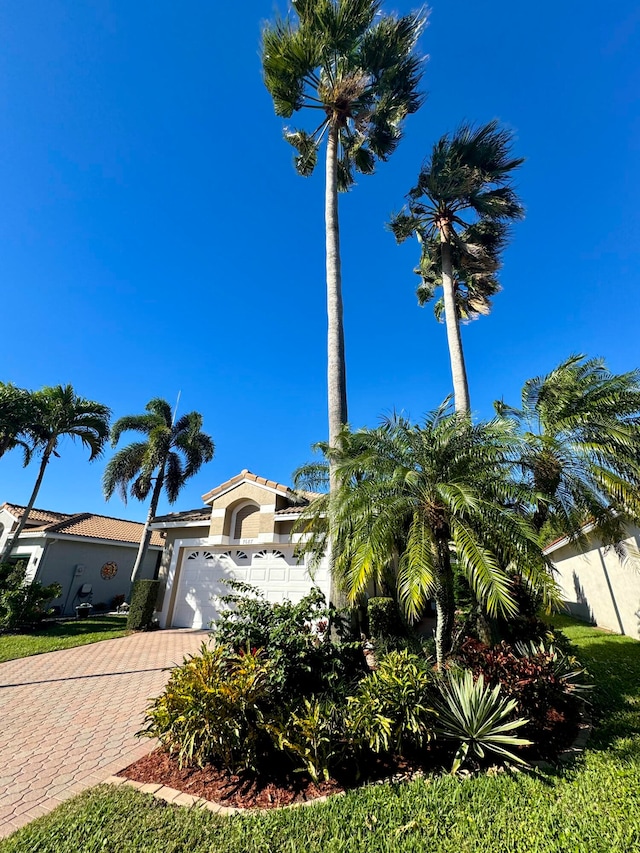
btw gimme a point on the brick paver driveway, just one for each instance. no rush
(68, 719)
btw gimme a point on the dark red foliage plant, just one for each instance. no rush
(545, 695)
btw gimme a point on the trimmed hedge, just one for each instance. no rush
(143, 604)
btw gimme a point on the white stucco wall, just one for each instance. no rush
(598, 587)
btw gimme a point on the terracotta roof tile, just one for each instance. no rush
(199, 514)
(289, 510)
(44, 516)
(245, 474)
(104, 527)
(87, 524)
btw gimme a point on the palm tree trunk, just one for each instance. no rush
(445, 605)
(336, 366)
(147, 532)
(456, 356)
(13, 541)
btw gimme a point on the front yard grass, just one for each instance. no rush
(592, 805)
(62, 635)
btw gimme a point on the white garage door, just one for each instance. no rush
(205, 572)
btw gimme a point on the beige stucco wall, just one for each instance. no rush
(598, 587)
(266, 499)
(60, 561)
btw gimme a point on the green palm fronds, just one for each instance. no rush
(581, 447)
(356, 68)
(412, 499)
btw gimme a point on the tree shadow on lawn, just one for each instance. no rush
(79, 627)
(613, 663)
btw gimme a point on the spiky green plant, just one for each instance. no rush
(477, 716)
(459, 211)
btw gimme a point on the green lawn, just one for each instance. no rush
(592, 806)
(63, 635)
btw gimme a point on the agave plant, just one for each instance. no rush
(477, 716)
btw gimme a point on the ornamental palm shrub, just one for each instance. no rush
(210, 710)
(479, 718)
(391, 711)
(580, 425)
(414, 500)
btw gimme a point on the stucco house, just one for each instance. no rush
(596, 584)
(91, 556)
(244, 532)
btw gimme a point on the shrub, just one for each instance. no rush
(541, 678)
(23, 604)
(477, 717)
(312, 735)
(210, 709)
(143, 603)
(295, 638)
(384, 619)
(391, 710)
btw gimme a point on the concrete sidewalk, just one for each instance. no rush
(68, 718)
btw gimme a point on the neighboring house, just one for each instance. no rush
(596, 584)
(79, 551)
(244, 533)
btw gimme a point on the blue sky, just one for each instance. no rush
(154, 237)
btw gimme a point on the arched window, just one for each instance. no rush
(246, 523)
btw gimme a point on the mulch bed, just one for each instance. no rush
(286, 788)
(241, 791)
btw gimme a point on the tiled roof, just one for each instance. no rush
(88, 524)
(245, 474)
(44, 516)
(200, 514)
(289, 510)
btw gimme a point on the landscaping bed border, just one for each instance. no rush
(180, 798)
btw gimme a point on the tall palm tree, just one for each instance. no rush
(459, 210)
(61, 412)
(412, 500)
(581, 451)
(173, 452)
(358, 70)
(18, 417)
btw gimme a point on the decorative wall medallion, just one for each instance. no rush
(109, 570)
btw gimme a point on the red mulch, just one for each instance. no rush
(243, 791)
(249, 790)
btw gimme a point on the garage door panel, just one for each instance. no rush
(205, 575)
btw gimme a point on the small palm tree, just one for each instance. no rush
(61, 412)
(412, 500)
(581, 450)
(459, 210)
(357, 70)
(173, 452)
